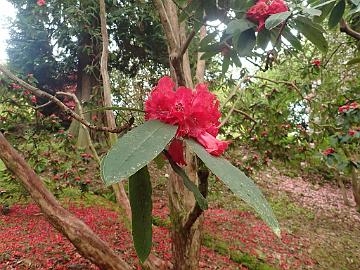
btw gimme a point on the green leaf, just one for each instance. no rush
(337, 13)
(186, 12)
(200, 199)
(206, 40)
(135, 149)
(239, 183)
(225, 64)
(2, 166)
(160, 161)
(353, 61)
(141, 212)
(244, 42)
(324, 4)
(312, 11)
(312, 33)
(294, 41)
(208, 55)
(325, 10)
(235, 58)
(276, 19)
(238, 25)
(263, 38)
(354, 10)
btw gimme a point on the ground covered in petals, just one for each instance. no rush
(315, 226)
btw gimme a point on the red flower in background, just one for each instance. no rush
(354, 105)
(329, 151)
(345, 108)
(316, 63)
(352, 132)
(195, 112)
(41, 2)
(263, 9)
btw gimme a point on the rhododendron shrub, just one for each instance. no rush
(344, 153)
(263, 9)
(176, 117)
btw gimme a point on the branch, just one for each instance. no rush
(247, 116)
(291, 84)
(185, 46)
(110, 118)
(42, 94)
(233, 93)
(345, 28)
(203, 175)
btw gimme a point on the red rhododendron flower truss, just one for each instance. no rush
(195, 112)
(352, 132)
(41, 2)
(263, 9)
(329, 151)
(345, 108)
(316, 63)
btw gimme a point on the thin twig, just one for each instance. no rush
(43, 105)
(42, 94)
(291, 84)
(345, 28)
(185, 46)
(247, 116)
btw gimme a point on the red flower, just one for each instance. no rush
(41, 2)
(352, 132)
(263, 9)
(176, 151)
(195, 112)
(354, 105)
(33, 99)
(344, 108)
(316, 63)
(329, 151)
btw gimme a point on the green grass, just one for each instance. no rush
(222, 247)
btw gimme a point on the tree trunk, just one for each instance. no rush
(356, 187)
(186, 241)
(80, 235)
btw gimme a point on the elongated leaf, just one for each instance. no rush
(337, 13)
(324, 4)
(275, 19)
(188, 183)
(135, 149)
(313, 34)
(311, 23)
(226, 64)
(263, 38)
(141, 208)
(353, 61)
(244, 42)
(206, 40)
(239, 25)
(294, 41)
(312, 11)
(239, 183)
